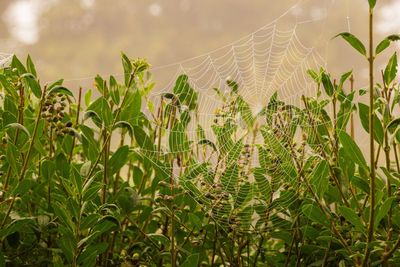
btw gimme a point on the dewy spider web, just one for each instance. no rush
(271, 59)
(5, 59)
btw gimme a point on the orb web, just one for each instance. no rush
(5, 59)
(243, 174)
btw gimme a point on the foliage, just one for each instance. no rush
(106, 182)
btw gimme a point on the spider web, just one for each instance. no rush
(5, 59)
(272, 59)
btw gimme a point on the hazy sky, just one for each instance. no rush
(265, 45)
(79, 38)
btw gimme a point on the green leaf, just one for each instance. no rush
(192, 260)
(32, 83)
(127, 65)
(88, 96)
(208, 143)
(354, 42)
(31, 66)
(391, 70)
(392, 126)
(178, 140)
(12, 156)
(131, 110)
(16, 63)
(312, 212)
(103, 110)
(363, 111)
(383, 211)
(319, 177)
(85, 168)
(48, 169)
(124, 125)
(263, 184)
(327, 83)
(162, 239)
(19, 127)
(352, 217)
(351, 149)
(314, 75)
(114, 90)
(60, 90)
(344, 78)
(118, 159)
(386, 42)
(372, 3)
(185, 92)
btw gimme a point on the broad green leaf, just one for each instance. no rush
(312, 212)
(327, 83)
(344, 78)
(352, 217)
(118, 159)
(131, 110)
(16, 63)
(192, 260)
(30, 66)
(85, 168)
(162, 239)
(314, 75)
(391, 70)
(32, 83)
(386, 42)
(263, 184)
(114, 90)
(372, 3)
(13, 157)
(383, 210)
(48, 169)
(351, 149)
(103, 110)
(185, 92)
(124, 125)
(19, 127)
(319, 178)
(233, 85)
(354, 42)
(178, 140)
(363, 112)
(127, 65)
(208, 143)
(60, 90)
(392, 126)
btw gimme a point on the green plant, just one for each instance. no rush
(104, 181)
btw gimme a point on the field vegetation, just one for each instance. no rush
(113, 178)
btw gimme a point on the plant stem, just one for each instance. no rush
(20, 121)
(76, 123)
(351, 112)
(371, 58)
(26, 159)
(108, 136)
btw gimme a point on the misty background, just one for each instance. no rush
(77, 39)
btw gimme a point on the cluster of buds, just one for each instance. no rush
(225, 112)
(53, 111)
(166, 198)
